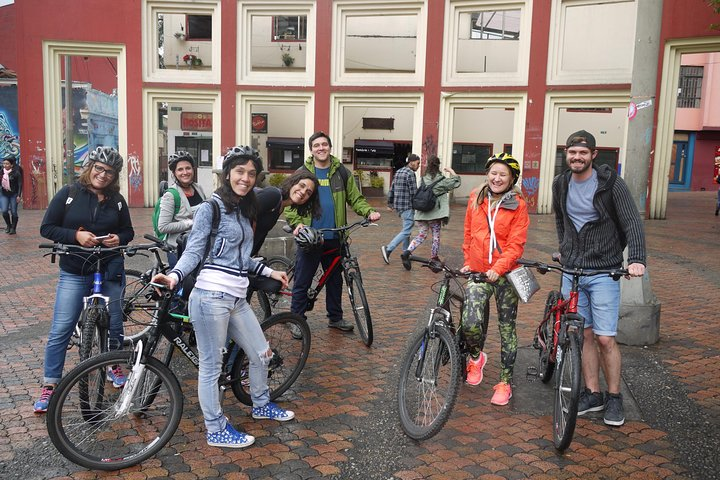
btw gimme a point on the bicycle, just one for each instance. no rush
(559, 337)
(107, 429)
(91, 330)
(433, 366)
(350, 267)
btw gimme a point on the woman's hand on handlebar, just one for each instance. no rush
(168, 280)
(492, 276)
(280, 276)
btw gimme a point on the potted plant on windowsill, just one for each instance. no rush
(288, 60)
(192, 60)
(376, 186)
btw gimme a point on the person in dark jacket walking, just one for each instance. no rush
(400, 198)
(12, 179)
(77, 215)
(596, 218)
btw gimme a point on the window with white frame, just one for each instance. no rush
(487, 42)
(178, 41)
(276, 42)
(379, 42)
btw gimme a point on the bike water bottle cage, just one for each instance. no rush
(309, 239)
(109, 156)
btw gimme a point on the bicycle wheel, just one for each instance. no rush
(546, 337)
(280, 301)
(567, 392)
(289, 357)
(139, 312)
(360, 307)
(87, 425)
(94, 336)
(429, 383)
(260, 304)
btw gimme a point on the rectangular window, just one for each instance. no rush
(199, 27)
(490, 25)
(470, 157)
(285, 153)
(690, 87)
(374, 153)
(289, 28)
(605, 156)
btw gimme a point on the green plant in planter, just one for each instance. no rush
(288, 59)
(361, 176)
(276, 179)
(376, 181)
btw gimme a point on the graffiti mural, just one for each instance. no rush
(134, 172)
(530, 186)
(9, 138)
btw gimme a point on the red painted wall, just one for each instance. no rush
(8, 51)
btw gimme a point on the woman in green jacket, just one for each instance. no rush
(438, 216)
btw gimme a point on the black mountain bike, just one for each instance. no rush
(433, 366)
(99, 427)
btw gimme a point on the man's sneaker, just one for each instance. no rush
(343, 325)
(42, 404)
(502, 395)
(116, 376)
(590, 402)
(405, 256)
(614, 412)
(272, 412)
(295, 331)
(385, 254)
(229, 438)
(475, 369)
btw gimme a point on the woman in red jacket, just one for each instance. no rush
(496, 224)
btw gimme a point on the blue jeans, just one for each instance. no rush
(598, 302)
(408, 218)
(9, 204)
(306, 264)
(69, 295)
(215, 315)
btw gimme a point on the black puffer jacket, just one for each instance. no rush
(600, 243)
(16, 179)
(61, 222)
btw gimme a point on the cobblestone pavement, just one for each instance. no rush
(347, 425)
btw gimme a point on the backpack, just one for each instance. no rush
(156, 212)
(424, 199)
(189, 280)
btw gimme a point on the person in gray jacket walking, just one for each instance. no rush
(438, 216)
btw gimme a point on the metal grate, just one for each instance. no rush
(690, 87)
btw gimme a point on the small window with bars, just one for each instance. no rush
(690, 87)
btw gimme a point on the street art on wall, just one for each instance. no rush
(9, 138)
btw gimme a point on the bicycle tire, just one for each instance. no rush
(547, 336)
(289, 358)
(94, 335)
(139, 313)
(260, 304)
(83, 429)
(280, 301)
(361, 309)
(425, 404)
(567, 393)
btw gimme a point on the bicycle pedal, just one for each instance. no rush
(532, 374)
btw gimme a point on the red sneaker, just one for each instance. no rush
(475, 369)
(502, 395)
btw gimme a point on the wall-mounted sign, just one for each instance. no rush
(196, 121)
(259, 123)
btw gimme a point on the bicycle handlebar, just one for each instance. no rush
(437, 266)
(543, 268)
(68, 249)
(362, 223)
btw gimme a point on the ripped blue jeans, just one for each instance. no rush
(215, 316)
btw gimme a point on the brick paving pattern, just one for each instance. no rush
(347, 425)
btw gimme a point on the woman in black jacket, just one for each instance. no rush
(78, 214)
(10, 190)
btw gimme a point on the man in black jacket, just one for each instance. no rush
(596, 218)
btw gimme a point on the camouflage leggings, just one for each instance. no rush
(475, 322)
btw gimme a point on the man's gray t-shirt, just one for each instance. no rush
(580, 206)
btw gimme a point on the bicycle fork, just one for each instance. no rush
(125, 401)
(96, 293)
(430, 333)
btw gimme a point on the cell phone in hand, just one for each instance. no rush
(102, 237)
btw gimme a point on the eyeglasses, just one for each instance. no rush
(108, 172)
